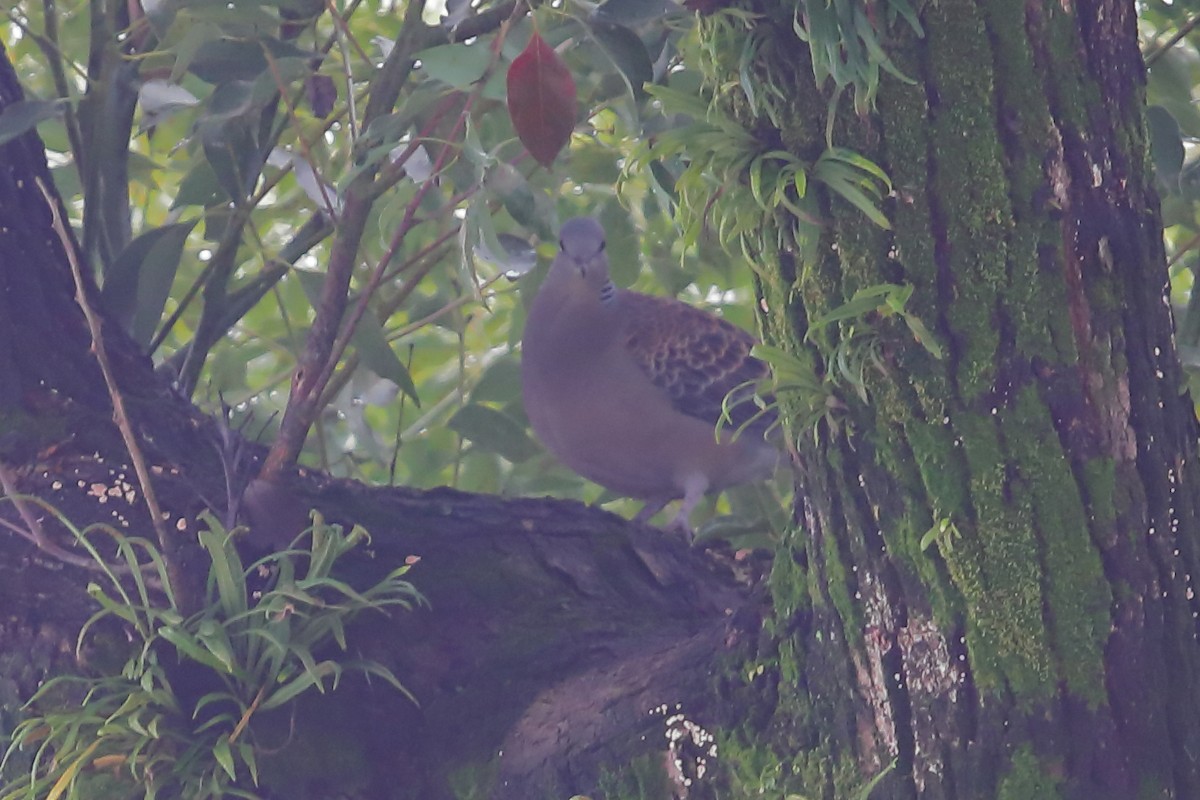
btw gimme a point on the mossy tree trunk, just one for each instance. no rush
(1045, 645)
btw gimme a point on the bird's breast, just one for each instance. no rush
(607, 421)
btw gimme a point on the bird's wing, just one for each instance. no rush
(695, 358)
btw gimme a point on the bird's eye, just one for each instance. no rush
(602, 246)
(561, 246)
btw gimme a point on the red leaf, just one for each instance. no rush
(541, 100)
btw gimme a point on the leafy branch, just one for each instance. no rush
(134, 728)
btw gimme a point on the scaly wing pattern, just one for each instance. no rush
(695, 358)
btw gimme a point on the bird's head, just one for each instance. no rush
(581, 254)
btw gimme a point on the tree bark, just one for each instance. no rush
(551, 629)
(1049, 650)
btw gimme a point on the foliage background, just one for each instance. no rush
(452, 317)
(443, 328)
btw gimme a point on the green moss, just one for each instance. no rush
(1100, 479)
(790, 665)
(972, 188)
(1034, 297)
(1077, 594)
(472, 781)
(1000, 576)
(752, 771)
(787, 583)
(939, 461)
(23, 435)
(1028, 779)
(1075, 94)
(644, 778)
(837, 576)
(325, 750)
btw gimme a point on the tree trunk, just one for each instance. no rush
(1045, 644)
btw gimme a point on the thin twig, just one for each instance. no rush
(120, 417)
(410, 221)
(302, 407)
(1183, 31)
(49, 548)
(289, 104)
(1183, 251)
(35, 533)
(332, 326)
(338, 381)
(456, 303)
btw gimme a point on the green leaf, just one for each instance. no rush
(249, 759)
(300, 684)
(923, 336)
(195, 35)
(459, 65)
(224, 756)
(199, 187)
(628, 54)
(514, 191)
(188, 646)
(633, 12)
(229, 145)
(214, 638)
(864, 301)
(154, 275)
(24, 115)
(787, 367)
(68, 775)
(226, 569)
(493, 430)
(858, 161)
(378, 356)
(592, 162)
(500, 382)
(229, 59)
(857, 198)
(1166, 143)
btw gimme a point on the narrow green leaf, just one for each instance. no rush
(224, 756)
(246, 752)
(195, 35)
(377, 355)
(857, 198)
(199, 186)
(23, 115)
(493, 430)
(156, 275)
(226, 567)
(144, 266)
(500, 382)
(864, 301)
(302, 683)
(923, 336)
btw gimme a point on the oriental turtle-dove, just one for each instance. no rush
(627, 389)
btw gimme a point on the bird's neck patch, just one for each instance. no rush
(607, 292)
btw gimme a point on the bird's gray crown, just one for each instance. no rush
(581, 238)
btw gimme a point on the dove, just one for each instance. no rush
(627, 389)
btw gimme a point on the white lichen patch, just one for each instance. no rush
(932, 678)
(690, 747)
